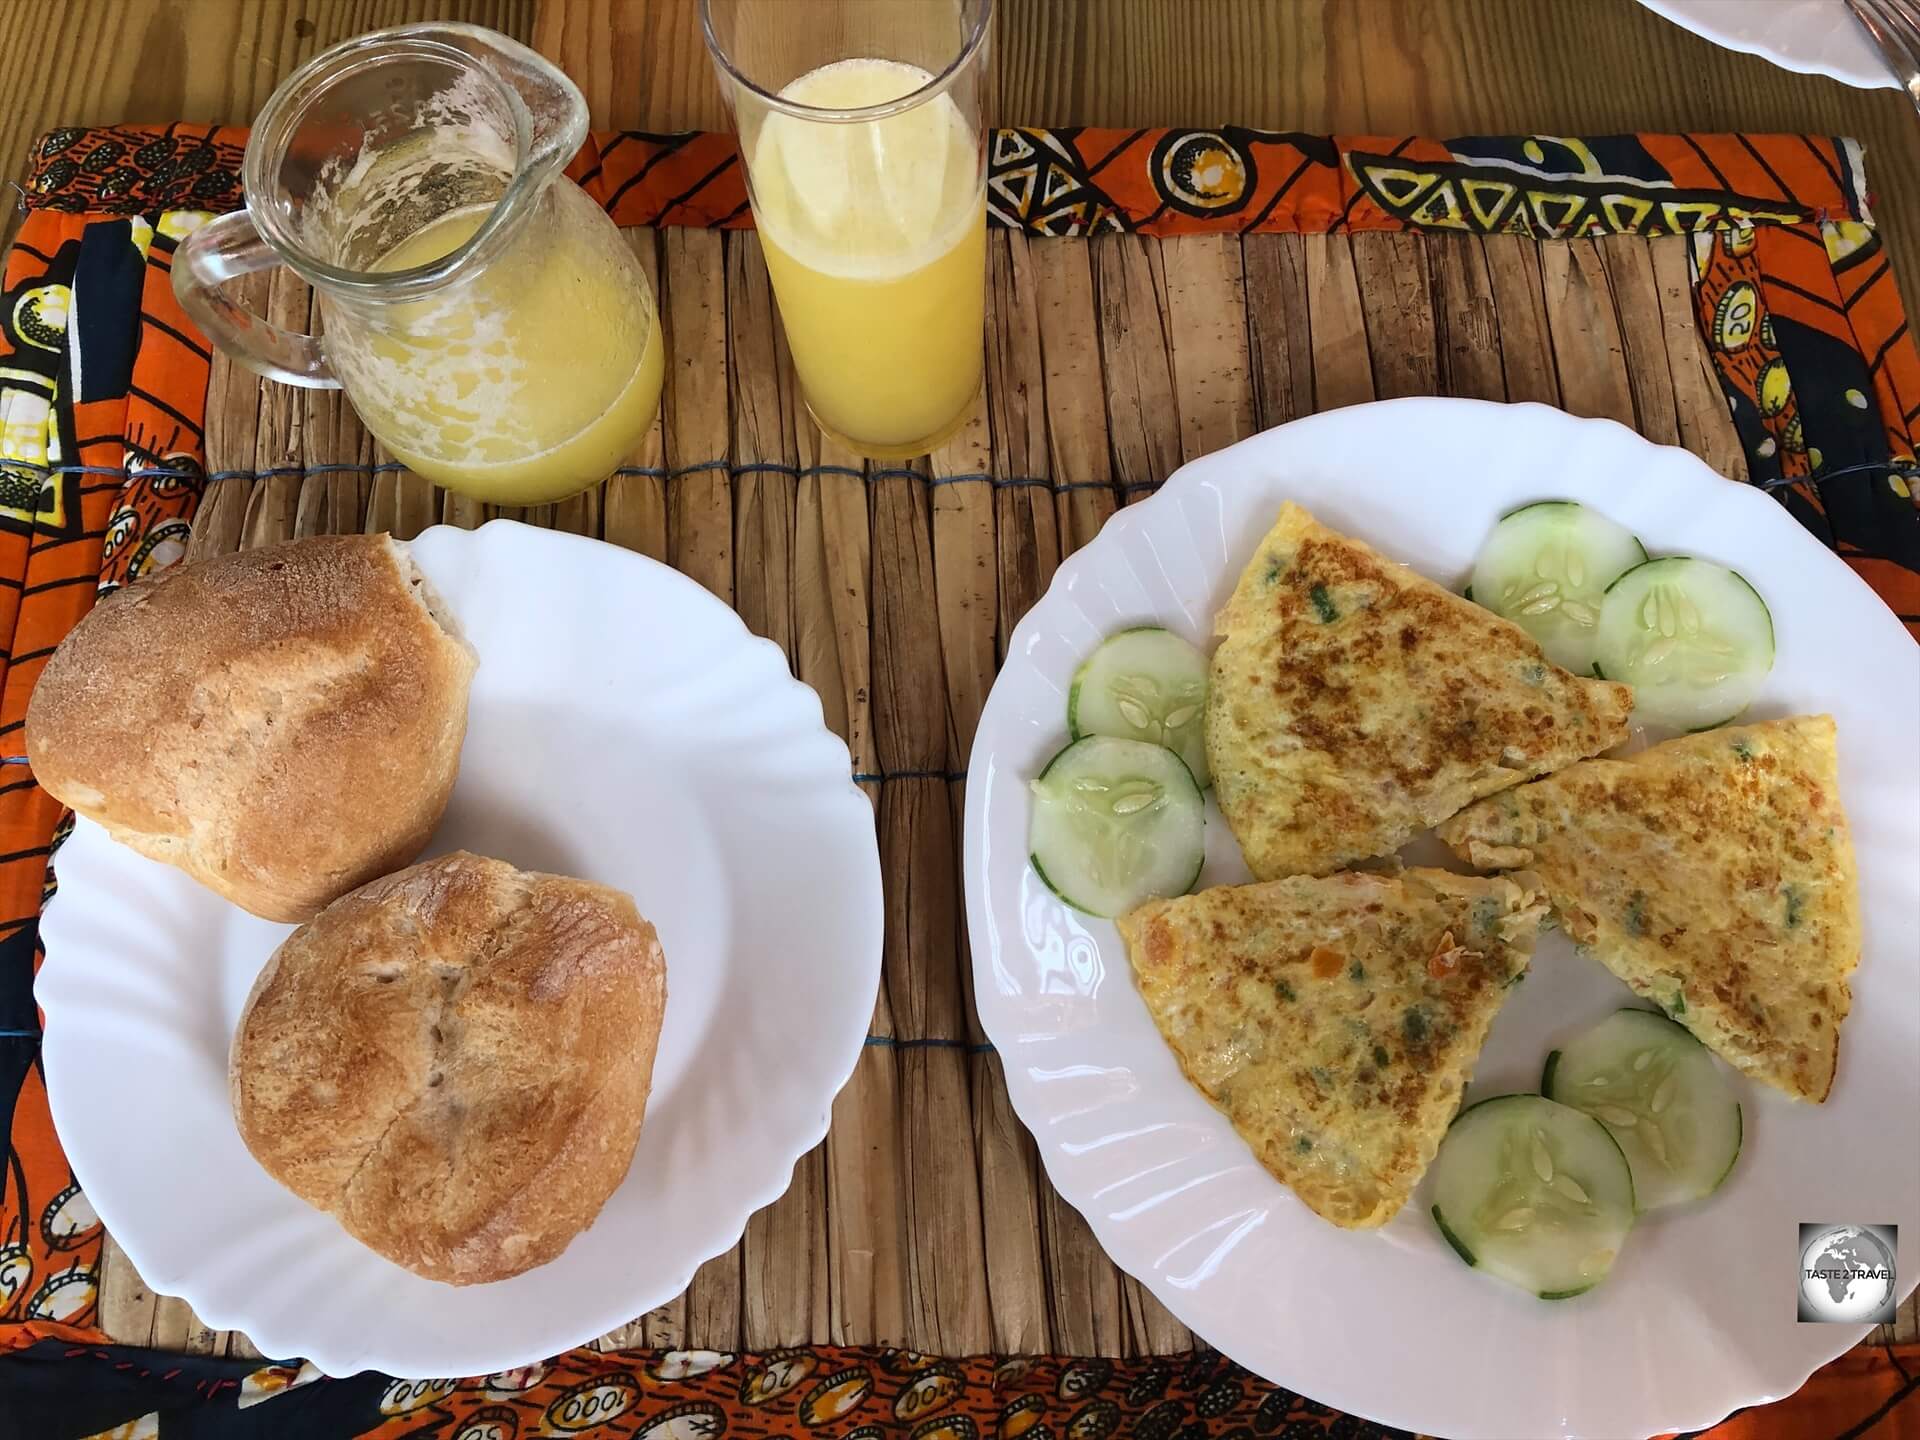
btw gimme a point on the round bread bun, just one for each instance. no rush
(454, 1062)
(283, 724)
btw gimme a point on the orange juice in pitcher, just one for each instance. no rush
(488, 321)
(539, 377)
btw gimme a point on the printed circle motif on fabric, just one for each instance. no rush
(1150, 1385)
(694, 1420)
(403, 1397)
(907, 1362)
(776, 1377)
(65, 1296)
(16, 1269)
(947, 1427)
(1201, 172)
(67, 1222)
(1220, 1397)
(936, 1389)
(40, 316)
(841, 1393)
(1022, 1418)
(1083, 1378)
(495, 1422)
(1737, 316)
(1094, 1421)
(1162, 1422)
(1774, 388)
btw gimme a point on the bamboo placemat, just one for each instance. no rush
(924, 1219)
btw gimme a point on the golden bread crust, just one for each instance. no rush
(283, 724)
(454, 1061)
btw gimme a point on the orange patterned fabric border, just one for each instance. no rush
(1830, 282)
(806, 1393)
(1196, 182)
(100, 461)
(102, 394)
(1083, 181)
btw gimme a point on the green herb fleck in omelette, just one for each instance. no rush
(1336, 1021)
(1353, 703)
(1713, 874)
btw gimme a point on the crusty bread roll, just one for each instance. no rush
(454, 1062)
(283, 724)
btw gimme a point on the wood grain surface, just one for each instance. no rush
(925, 1217)
(1434, 67)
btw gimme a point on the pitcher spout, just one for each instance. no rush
(555, 111)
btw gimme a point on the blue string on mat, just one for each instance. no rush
(872, 1042)
(760, 467)
(894, 1042)
(860, 777)
(1868, 467)
(651, 472)
(332, 467)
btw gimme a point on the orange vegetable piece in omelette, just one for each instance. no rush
(1336, 1020)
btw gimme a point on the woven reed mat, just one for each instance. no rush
(924, 1219)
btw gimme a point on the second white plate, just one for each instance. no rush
(624, 727)
(1698, 1316)
(1810, 37)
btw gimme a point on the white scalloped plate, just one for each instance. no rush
(1698, 1316)
(625, 727)
(1810, 37)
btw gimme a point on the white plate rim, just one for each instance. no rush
(863, 906)
(1868, 72)
(1000, 1023)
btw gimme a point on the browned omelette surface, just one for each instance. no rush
(1714, 874)
(1354, 703)
(1337, 1020)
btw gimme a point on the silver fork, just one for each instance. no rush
(1894, 26)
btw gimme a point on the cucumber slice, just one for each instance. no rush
(1693, 638)
(1546, 567)
(1116, 823)
(1660, 1095)
(1144, 684)
(1533, 1192)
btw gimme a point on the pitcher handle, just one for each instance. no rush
(224, 250)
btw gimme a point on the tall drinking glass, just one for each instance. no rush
(860, 124)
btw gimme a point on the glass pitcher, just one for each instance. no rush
(486, 318)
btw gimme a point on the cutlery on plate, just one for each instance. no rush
(1894, 26)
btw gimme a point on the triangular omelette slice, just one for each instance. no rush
(1335, 1020)
(1354, 703)
(1713, 874)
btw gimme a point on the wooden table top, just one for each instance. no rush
(1434, 67)
(1429, 67)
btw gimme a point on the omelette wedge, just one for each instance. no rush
(1714, 874)
(1354, 703)
(1336, 1020)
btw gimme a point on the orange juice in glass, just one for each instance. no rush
(860, 125)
